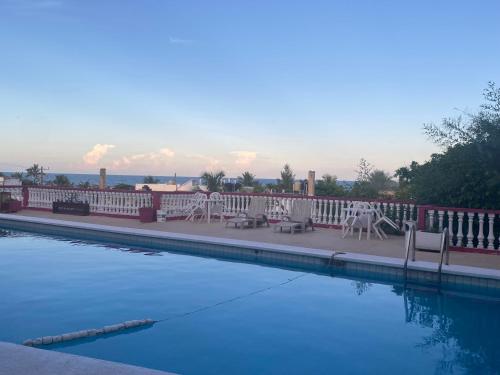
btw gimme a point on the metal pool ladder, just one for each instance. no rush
(410, 248)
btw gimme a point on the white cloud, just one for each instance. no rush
(149, 159)
(166, 152)
(97, 153)
(244, 158)
(209, 163)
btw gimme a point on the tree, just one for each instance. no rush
(362, 187)
(35, 173)
(247, 179)
(467, 172)
(61, 180)
(328, 185)
(287, 179)
(85, 185)
(213, 180)
(150, 180)
(371, 183)
(381, 181)
(18, 175)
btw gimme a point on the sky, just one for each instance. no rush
(159, 86)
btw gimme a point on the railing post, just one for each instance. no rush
(156, 200)
(421, 217)
(26, 196)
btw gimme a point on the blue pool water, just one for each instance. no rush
(227, 317)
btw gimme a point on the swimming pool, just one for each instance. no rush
(230, 317)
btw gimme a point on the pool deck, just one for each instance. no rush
(321, 239)
(18, 359)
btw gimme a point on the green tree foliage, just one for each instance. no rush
(150, 180)
(213, 180)
(467, 172)
(328, 185)
(287, 179)
(35, 174)
(18, 175)
(372, 183)
(247, 179)
(61, 180)
(85, 185)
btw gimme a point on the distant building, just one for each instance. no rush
(189, 185)
(11, 181)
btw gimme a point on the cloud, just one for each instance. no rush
(175, 40)
(148, 159)
(210, 163)
(97, 153)
(244, 158)
(166, 152)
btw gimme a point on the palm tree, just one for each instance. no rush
(36, 173)
(213, 180)
(247, 179)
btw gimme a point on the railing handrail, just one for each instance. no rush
(72, 188)
(461, 209)
(277, 195)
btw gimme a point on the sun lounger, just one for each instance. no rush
(299, 218)
(255, 215)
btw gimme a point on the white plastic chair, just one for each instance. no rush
(196, 207)
(215, 206)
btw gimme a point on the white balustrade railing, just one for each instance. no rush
(325, 211)
(100, 201)
(468, 228)
(174, 205)
(16, 192)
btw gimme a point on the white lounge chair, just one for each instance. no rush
(299, 218)
(254, 216)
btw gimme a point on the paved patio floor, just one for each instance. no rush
(321, 238)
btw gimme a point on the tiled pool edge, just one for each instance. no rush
(17, 359)
(459, 278)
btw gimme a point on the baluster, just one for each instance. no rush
(450, 226)
(440, 222)
(480, 234)
(331, 207)
(460, 229)
(491, 236)
(470, 234)
(338, 204)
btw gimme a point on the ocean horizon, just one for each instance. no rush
(115, 179)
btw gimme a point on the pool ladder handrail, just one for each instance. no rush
(444, 251)
(410, 245)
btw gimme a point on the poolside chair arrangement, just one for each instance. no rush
(255, 215)
(299, 218)
(364, 216)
